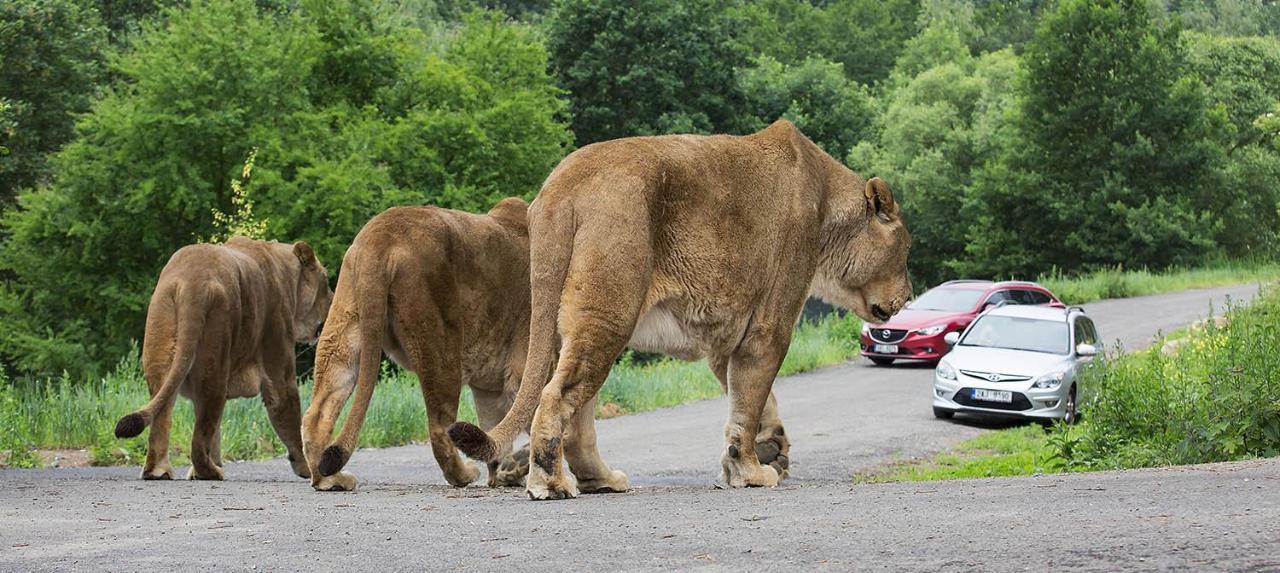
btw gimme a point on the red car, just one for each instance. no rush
(916, 331)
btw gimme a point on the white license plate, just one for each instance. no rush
(885, 348)
(993, 395)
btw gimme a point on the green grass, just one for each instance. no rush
(1217, 399)
(1024, 450)
(1122, 283)
(62, 414)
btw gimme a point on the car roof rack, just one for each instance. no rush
(1075, 308)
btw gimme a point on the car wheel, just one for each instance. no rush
(880, 361)
(943, 413)
(1071, 415)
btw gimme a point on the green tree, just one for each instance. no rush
(456, 125)
(832, 110)
(939, 127)
(1116, 152)
(642, 68)
(52, 60)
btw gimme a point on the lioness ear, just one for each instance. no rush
(304, 253)
(880, 198)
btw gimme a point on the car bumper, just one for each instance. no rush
(913, 347)
(956, 395)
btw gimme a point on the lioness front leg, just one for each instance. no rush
(772, 445)
(751, 371)
(490, 408)
(284, 410)
(441, 387)
(205, 438)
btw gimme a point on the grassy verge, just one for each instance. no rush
(1215, 398)
(1121, 283)
(62, 414)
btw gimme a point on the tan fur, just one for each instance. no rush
(697, 246)
(446, 295)
(222, 323)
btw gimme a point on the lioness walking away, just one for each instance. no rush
(446, 295)
(222, 323)
(696, 246)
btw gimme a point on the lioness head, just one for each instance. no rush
(314, 295)
(863, 263)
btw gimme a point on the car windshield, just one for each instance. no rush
(947, 299)
(1018, 334)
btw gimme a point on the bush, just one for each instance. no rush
(1216, 399)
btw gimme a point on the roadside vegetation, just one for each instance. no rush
(1212, 397)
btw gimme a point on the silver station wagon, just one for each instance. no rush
(1017, 361)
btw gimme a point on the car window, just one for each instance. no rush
(997, 297)
(1038, 297)
(947, 299)
(1085, 333)
(1018, 333)
(1020, 296)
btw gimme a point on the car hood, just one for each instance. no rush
(999, 360)
(910, 319)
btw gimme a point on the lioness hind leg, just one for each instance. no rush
(511, 470)
(337, 364)
(593, 474)
(157, 466)
(441, 389)
(751, 371)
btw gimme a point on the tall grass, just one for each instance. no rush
(1124, 283)
(62, 414)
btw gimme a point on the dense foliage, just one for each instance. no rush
(1023, 137)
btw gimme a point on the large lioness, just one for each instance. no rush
(222, 323)
(446, 295)
(692, 246)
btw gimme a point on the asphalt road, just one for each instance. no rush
(841, 420)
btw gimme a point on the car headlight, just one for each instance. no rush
(1049, 381)
(945, 371)
(931, 330)
(866, 328)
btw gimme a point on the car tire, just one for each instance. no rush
(878, 361)
(1072, 412)
(943, 413)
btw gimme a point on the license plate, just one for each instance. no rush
(993, 395)
(886, 348)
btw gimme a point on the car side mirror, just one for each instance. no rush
(1086, 350)
(951, 338)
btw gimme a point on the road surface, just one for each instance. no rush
(841, 420)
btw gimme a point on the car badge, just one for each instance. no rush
(886, 333)
(994, 377)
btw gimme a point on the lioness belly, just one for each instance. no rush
(659, 330)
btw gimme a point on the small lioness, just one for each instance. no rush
(695, 246)
(446, 295)
(222, 323)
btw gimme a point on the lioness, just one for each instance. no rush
(222, 323)
(693, 246)
(446, 295)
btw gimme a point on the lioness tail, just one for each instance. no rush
(191, 320)
(547, 273)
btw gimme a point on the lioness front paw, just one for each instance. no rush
(300, 468)
(738, 473)
(617, 482)
(157, 473)
(212, 474)
(462, 475)
(341, 481)
(541, 486)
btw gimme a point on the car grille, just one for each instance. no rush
(987, 376)
(889, 335)
(965, 398)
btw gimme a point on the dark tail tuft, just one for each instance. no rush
(472, 441)
(131, 425)
(332, 460)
